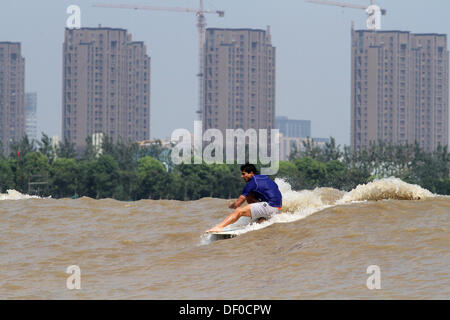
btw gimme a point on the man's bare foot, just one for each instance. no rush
(215, 229)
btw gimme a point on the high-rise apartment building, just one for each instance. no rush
(239, 79)
(106, 86)
(12, 94)
(400, 88)
(31, 115)
(293, 128)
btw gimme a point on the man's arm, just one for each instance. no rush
(238, 202)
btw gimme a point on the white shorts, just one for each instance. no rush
(262, 210)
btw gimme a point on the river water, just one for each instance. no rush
(320, 247)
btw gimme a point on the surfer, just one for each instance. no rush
(263, 197)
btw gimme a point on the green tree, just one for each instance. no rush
(90, 152)
(85, 183)
(226, 181)
(295, 153)
(21, 148)
(108, 146)
(105, 172)
(126, 155)
(153, 179)
(311, 150)
(6, 176)
(311, 173)
(335, 174)
(45, 147)
(176, 189)
(66, 149)
(443, 186)
(198, 180)
(64, 177)
(331, 151)
(128, 187)
(36, 169)
(2, 152)
(288, 172)
(20, 178)
(36, 163)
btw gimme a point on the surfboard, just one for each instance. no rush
(231, 233)
(232, 230)
(223, 235)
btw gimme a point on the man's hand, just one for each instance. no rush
(236, 204)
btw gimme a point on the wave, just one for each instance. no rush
(298, 205)
(16, 195)
(301, 204)
(386, 188)
(306, 202)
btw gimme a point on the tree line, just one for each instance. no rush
(129, 172)
(344, 168)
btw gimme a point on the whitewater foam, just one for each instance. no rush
(16, 195)
(386, 188)
(298, 205)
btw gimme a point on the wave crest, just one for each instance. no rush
(16, 195)
(386, 188)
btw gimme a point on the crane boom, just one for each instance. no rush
(373, 11)
(338, 4)
(154, 8)
(344, 5)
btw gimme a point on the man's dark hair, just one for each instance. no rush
(249, 168)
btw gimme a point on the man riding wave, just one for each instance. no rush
(263, 197)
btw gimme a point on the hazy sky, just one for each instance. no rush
(313, 52)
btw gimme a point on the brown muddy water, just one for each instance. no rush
(320, 247)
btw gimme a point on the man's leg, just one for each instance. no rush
(253, 199)
(232, 218)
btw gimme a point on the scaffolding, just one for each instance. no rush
(37, 184)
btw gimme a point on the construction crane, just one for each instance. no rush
(373, 11)
(201, 26)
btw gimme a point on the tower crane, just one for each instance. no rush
(201, 26)
(373, 11)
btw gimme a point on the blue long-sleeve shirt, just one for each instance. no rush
(265, 189)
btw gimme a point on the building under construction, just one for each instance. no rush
(12, 94)
(239, 79)
(400, 88)
(106, 86)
